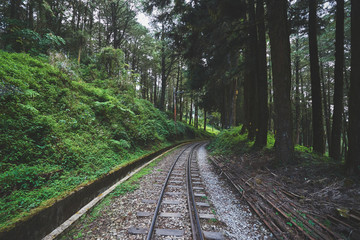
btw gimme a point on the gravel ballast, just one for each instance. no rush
(113, 220)
(242, 224)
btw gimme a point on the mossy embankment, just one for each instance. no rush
(60, 128)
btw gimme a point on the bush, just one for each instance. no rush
(230, 141)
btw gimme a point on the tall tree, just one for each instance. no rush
(281, 68)
(119, 17)
(339, 82)
(191, 109)
(163, 68)
(165, 21)
(353, 158)
(252, 64)
(196, 112)
(317, 120)
(326, 104)
(297, 92)
(262, 85)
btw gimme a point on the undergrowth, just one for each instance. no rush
(233, 142)
(61, 126)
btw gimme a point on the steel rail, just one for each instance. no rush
(153, 222)
(194, 216)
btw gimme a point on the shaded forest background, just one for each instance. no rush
(212, 59)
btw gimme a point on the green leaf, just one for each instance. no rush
(31, 93)
(29, 108)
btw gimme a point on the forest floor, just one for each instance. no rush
(315, 187)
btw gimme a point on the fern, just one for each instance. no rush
(31, 93)
(121, 144)
(29, 108)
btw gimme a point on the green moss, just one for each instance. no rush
(58, 132)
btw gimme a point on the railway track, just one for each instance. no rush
(182, 205)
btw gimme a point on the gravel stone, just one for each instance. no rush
(230, 210)
(234, 218)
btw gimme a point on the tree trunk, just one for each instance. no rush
(181, 106)
(191, 109)
(303, 106)
(234, 100)
(148, 85)
(163, 71)
(343, 152)
(74, 11)
(181, 98)
(91, 24)
(345, 115)
(204, 120)
(143, 85)
(99, 33)
(262, 85)
(317, 118)
(339, 83)
(253, 72)
(114, 13)
(353, 157)
(155, 90)
(78, 15)
(186, 109)
(281, 68)
(223, 107)
(306, 127)
(326, 108)
(151, 90)
(60, 23)
(31, 14)
(196, 119)
(297, 93)
(170, 99)
(270, 94)
(79, 54)
(247, 86)
(177, 95)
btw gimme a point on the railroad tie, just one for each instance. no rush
(213, 235)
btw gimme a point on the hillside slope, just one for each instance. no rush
(57, 131)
